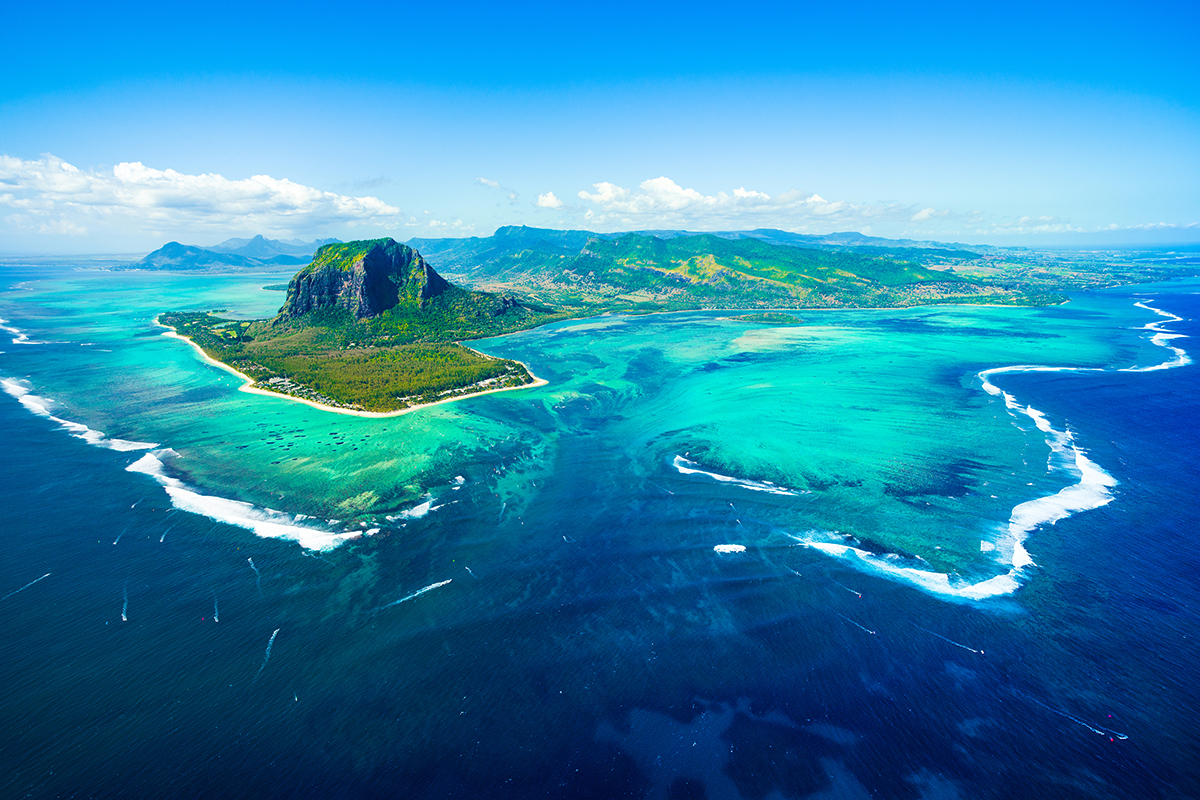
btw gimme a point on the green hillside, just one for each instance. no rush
(640, 272)
(369, 326)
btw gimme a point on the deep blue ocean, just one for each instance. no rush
(1084, 684)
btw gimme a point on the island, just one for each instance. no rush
(369, 328)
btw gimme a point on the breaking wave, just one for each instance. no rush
(42, 406)
(686, 467)
(264, 522)
(1092, 489)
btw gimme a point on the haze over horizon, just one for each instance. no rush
(1077, 125)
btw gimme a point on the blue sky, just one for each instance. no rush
(122, 127)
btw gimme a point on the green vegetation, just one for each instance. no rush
(363, 378)
(636, 272)
(769, 318)
(588, 272)
(332, 344)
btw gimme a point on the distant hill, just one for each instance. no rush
(231, 254)
(674, 269)
(261, 247)
(522, 248)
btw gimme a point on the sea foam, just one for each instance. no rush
(42, 406)
(19, 337)
(686, 467)
(1092, 489)
(263, 522)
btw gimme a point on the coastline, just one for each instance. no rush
(249, 388)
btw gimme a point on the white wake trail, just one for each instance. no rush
(266, 657)
(23, 588)
(415, 594)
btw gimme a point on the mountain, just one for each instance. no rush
(380, 291)
(261, 247)
(521, 247)
(173, 255)
(369, 325)
(233, 253)
(676, 269)
(510, 246)
(365, 278)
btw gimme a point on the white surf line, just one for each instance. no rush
(1160, 338)
(856, 624)
(1092, 490)
(19, 336)
(40, 406)
(267, 657)
(23, 588)
(1096, 729)
(307, 554)
(262, 522)
(415, 594)
(686, 467)
(944, 639)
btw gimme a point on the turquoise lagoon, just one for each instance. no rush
(873, 427)
(789, 546)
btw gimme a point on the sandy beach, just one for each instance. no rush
(249, 387)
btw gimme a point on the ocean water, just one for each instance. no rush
(852, 558)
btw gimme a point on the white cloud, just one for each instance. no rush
(548, 200)
(660, 202)
(440, 227)
(512, 195)
(52, 196)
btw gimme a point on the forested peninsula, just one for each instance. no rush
(369, 326)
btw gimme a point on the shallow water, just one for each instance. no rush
(523, 595)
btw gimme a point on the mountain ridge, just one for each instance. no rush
(232, 253)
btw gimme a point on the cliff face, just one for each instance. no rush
(366, 278)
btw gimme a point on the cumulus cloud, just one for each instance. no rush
(660, 202)
(51, 196)
(487, 182)
(548, 200)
